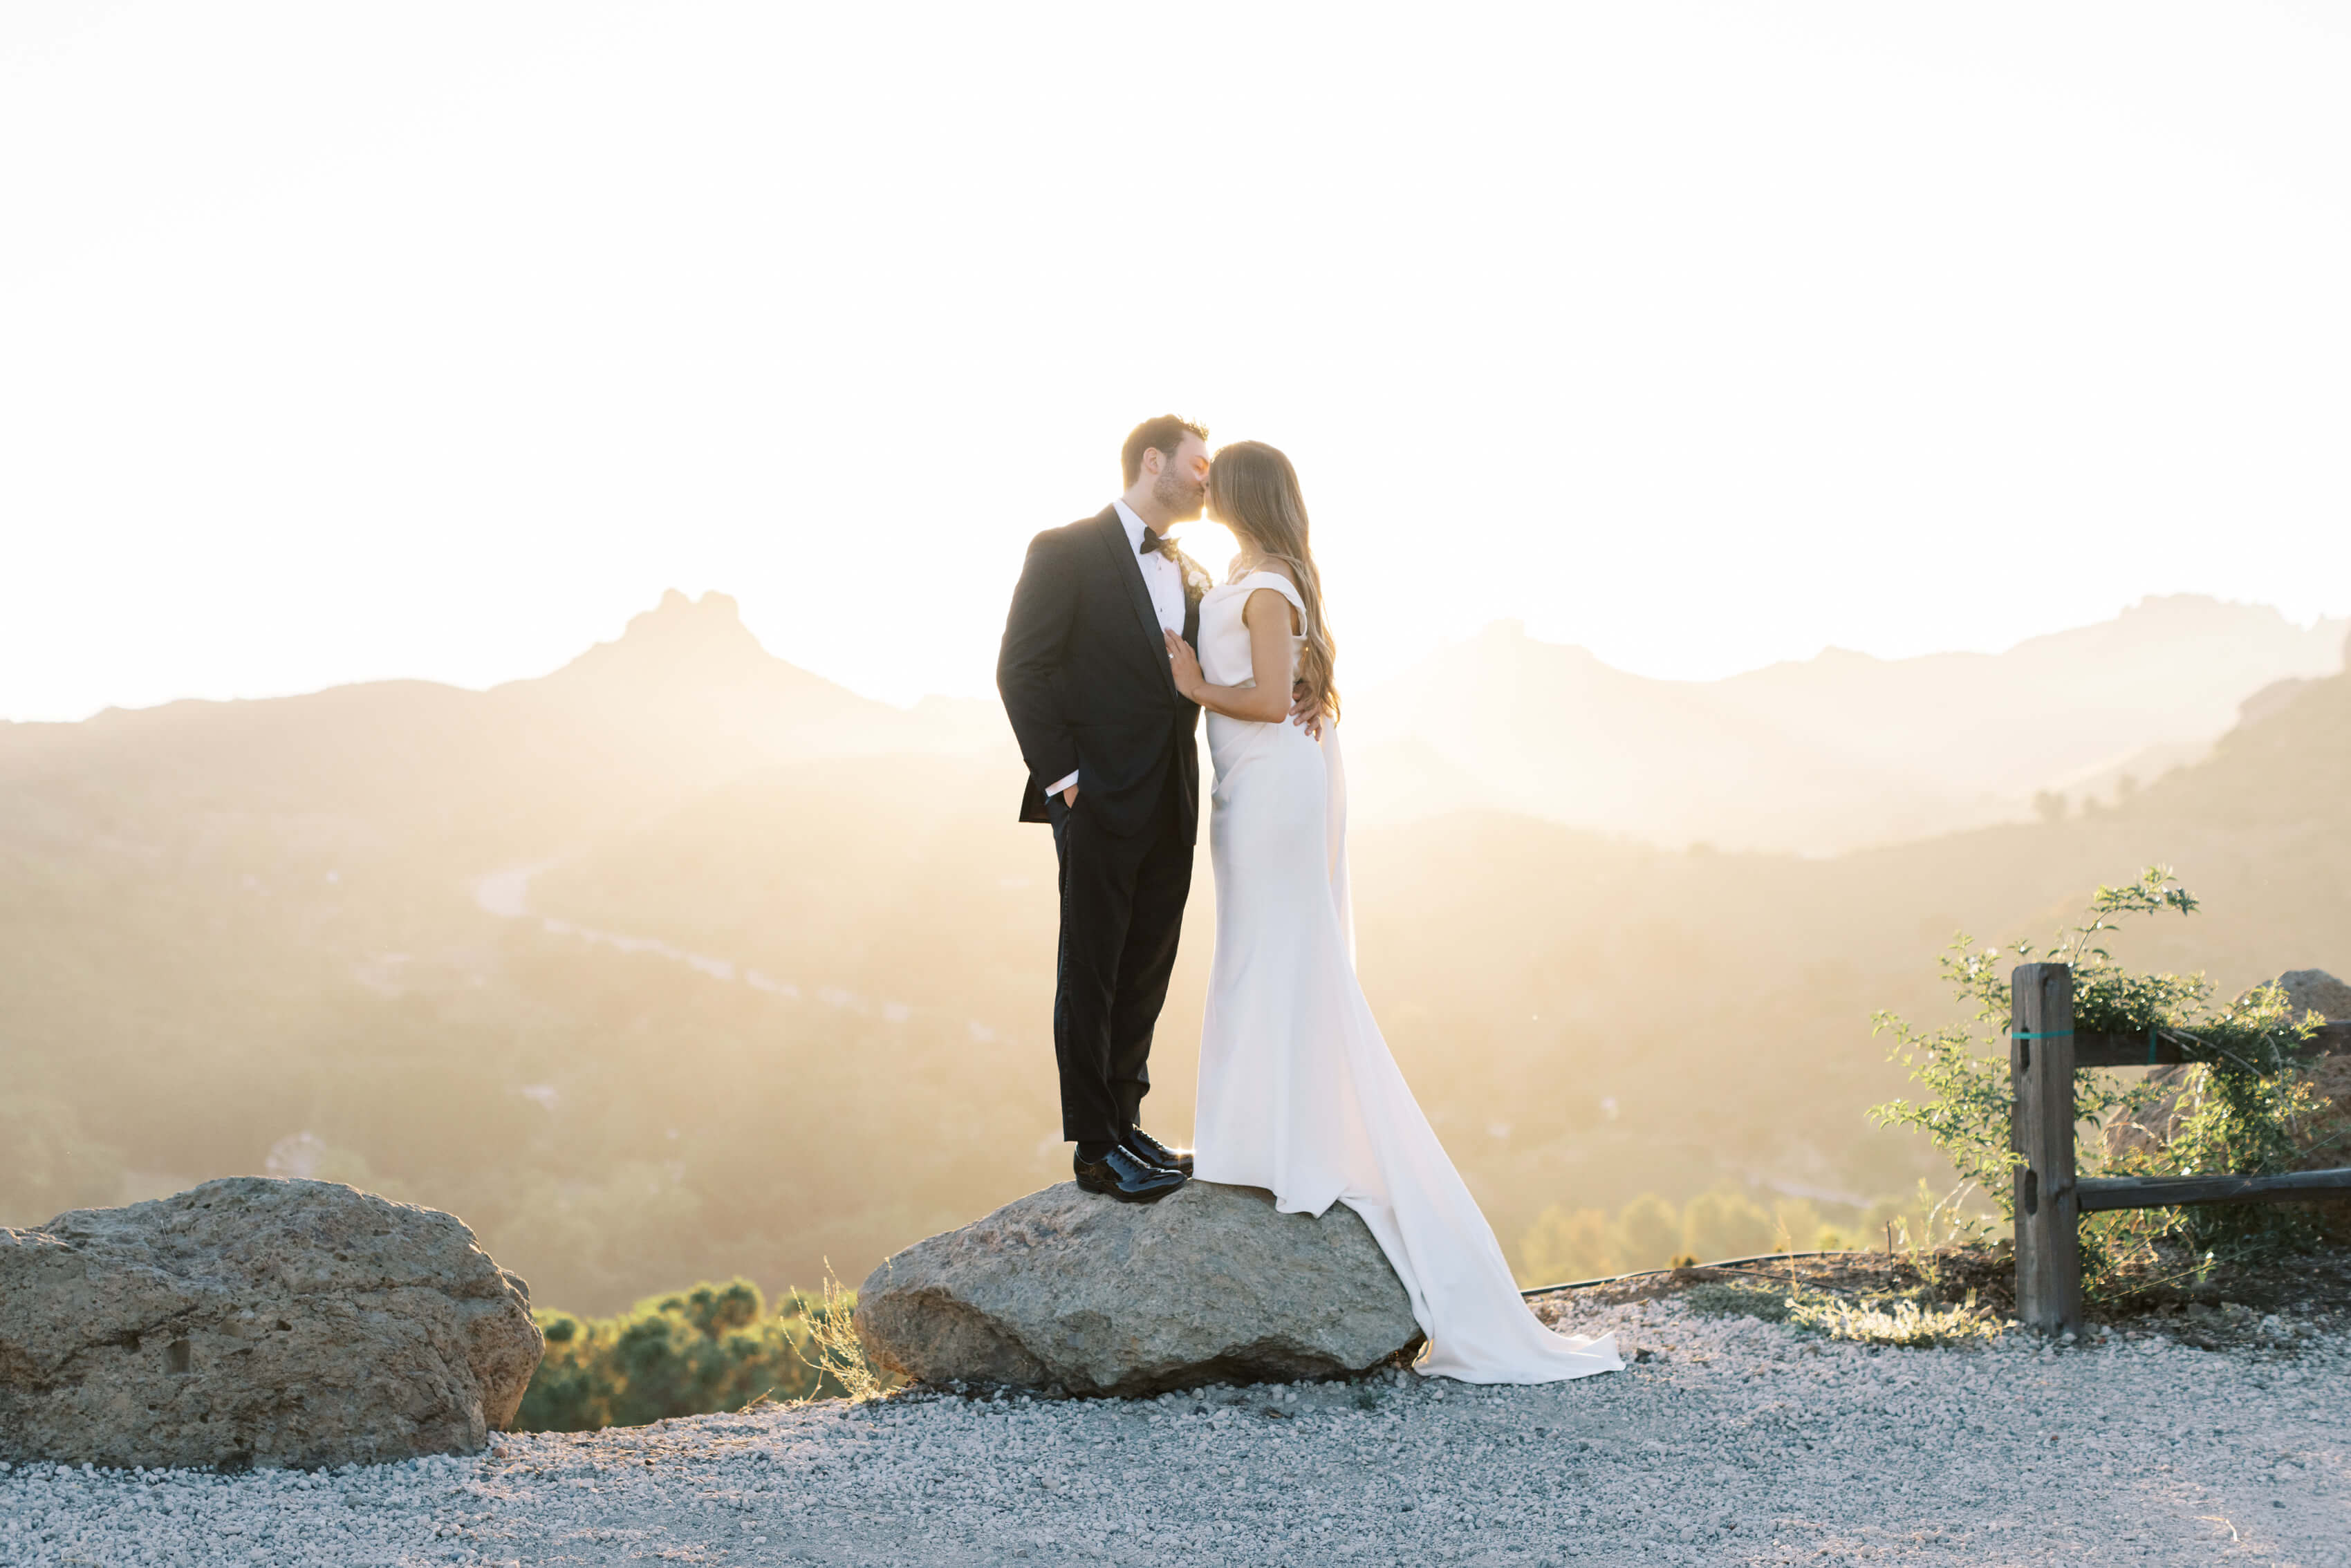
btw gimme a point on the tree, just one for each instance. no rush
(1562, 1246)
(1648, 1233)
(712, 1347)
(1726, 1225)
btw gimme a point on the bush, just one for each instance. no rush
(690, 1353)
(2239, 1111)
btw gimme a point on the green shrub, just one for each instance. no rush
(689, 1353)
(2239, 1104)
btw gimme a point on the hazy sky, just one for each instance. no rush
(343, 341)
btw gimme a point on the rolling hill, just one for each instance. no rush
(1833, 753)
(626, 966)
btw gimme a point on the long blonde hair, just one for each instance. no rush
(1253, 490)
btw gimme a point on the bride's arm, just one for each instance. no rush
(1267, 616)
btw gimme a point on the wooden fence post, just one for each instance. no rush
(2041, 1075)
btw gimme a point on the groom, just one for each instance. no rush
(1113, 767)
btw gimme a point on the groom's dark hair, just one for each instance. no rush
(1165, 434)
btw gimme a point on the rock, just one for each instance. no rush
(256, 1321)
(2306, 991)
(2317, 991)
(1072, 1291)
(2326, 1144)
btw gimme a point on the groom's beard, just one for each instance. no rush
(1180, 498)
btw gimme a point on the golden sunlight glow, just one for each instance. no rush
(1592, 338)
(1210, 544)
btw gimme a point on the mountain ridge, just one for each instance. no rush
(245, 924)
(1832, 753)
(682, 701)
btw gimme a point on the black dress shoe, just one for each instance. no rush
(1124, 1176)
(1157, 1152)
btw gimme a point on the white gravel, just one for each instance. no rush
(1731, 1442)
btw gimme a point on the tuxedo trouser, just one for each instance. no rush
(1122, 911)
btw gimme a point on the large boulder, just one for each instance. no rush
(256, 1321)
(1070, 1292)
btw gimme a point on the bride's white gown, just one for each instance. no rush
(1298, 1092)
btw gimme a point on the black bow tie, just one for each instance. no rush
(1157, 543)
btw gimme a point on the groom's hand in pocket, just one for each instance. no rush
(1070, 796)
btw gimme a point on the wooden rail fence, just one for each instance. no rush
(2044, 1053)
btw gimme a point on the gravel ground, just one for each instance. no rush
(1726, 1442)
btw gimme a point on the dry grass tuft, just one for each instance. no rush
(839, 1353)
(1889, 1320)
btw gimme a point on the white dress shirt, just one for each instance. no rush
(1166, 582)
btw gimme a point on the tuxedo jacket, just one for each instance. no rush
(1085, 679)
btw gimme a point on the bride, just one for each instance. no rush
(1298, 1092)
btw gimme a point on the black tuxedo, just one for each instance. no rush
(1083, 672)
(1085, 680)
